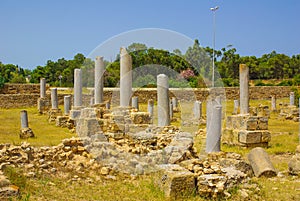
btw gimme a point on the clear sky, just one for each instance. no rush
(34, 31)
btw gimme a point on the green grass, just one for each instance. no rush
(45, 133)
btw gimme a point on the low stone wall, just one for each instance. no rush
(21, 89)
(18, 95)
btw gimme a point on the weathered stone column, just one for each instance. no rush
(25, 131)
(54, 99)
(125, 78)
(292, 98)
(24, 119)
(273, 103)
(235, 106)
(171, 110)
(67, 104)
(77, 88)
(197, 110)
(175, 102)
(150, 108)
(163, 107)
(214, 129)
(42, 88)
(107, 105)
(261, 163)
(99, 79)
(135, 102)
(244, 89)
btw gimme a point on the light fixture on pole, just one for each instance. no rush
(214, 9)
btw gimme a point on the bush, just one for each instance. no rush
(296, 80)
(297, 95)
(230, 82)
(285, 83)
(2, 81)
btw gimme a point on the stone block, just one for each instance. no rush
(262, 123)
(140, 117)
(75, 114)
(265, 136)
(248, 137)
(294, 165)
(87, 127)
(176, 181)
(26, 133)
(252, 123)
(62, 121)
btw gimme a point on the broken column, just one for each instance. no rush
(125, 78)
(163, 107)
(273, 103)
(150, 108)
(292, 98)
(67, 105)
(99, 80)
(261, 163)
(235, 106)
(43, 104)
(77, 88)
(54, 99)
(171, 110)
(197, 110)
(135, 102)
(25, 131)
(244, 89)
(42, 88)
(77, 104)
(54, 112)
(214, 126)
(175, 104)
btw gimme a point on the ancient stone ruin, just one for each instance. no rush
(248, 128)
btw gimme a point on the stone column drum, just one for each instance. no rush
(99, 80)
(125, 78)
(273, 103)
(235, 106)
(77, 88)
(244, 89)
(163, 105)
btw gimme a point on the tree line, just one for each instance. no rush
(192, 68)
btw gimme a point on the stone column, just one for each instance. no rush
(150, 108)
(42, 88)
(54, 99)
(67, 105)
(174, 102)
(24, 119)
(235, 106)
(214, 127)
(292, 98)
(125, 78)
(77, 88)
(99, 79)
(273, 103)
(25, 131)
(107, 105)
(197, 110)
(163, 107)
(135, 102)
(171, 110)
(244, 89)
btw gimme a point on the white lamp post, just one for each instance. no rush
(214, 9)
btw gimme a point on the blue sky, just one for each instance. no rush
(34, 31)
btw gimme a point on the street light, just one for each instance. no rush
(60, 77)
(214, 9)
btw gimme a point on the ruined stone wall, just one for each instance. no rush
(26, 95)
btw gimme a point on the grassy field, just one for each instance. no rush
(44, 187)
